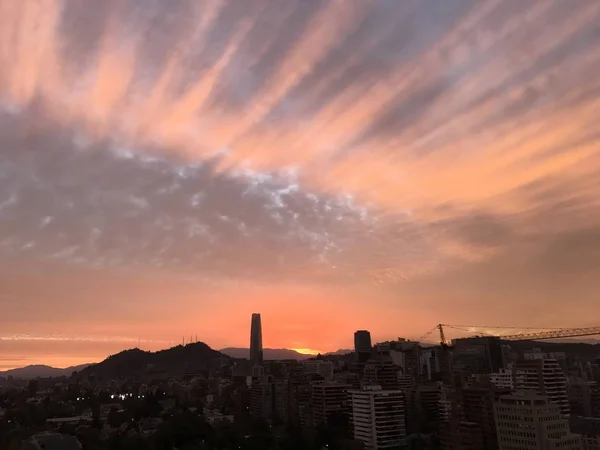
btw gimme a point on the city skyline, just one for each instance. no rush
(169, 169)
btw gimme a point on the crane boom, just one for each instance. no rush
(553, 334)
(538, 335)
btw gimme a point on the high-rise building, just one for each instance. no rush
(545, 377)
(405, 354)
(529, 421)
(256, 348)
(471, 436)
(362, 345)
(381, 370)
(323, 368)
(261, 400)
(435, 364)
(584, 397)
(423, 408)
(478, 408)
(298, 398)
(589, 430)
(378, 417)
(329, 399)
(504, 379)
(463, 435)
(478, 355)
(405, 382)
(266, 400)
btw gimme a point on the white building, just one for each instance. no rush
(545, 377)
(323, 368)
(528, 421)
(378, 417)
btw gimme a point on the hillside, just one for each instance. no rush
(268, 353)
(41, 371)
(340, 352)
(176, 360)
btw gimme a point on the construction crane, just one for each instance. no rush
(538, 335)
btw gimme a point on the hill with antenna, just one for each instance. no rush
(190, 358)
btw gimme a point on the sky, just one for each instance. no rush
(167, 168)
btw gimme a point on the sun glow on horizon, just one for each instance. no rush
(307, 351)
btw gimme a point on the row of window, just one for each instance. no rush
(526, 434)
(515, 418)
(515, 443)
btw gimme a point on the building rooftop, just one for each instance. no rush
(51, 441)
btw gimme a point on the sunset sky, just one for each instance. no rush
(168, 168)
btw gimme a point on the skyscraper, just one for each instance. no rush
(546, 377)
(529, 421)
(378, 417)
(329, 399)
(478, 355)
(362, 345)
(256, 348)
(381, 371)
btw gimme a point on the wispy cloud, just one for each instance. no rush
(393, 146)
(65, 338)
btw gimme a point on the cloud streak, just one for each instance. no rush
(119, 339)
(391, 146)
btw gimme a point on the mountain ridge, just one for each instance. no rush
(269, 354)
(41, 371)
(273, 354)
(189, 358)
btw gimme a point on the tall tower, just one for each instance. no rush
(362, 345)
(256, 348)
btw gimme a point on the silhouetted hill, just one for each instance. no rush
(41, 371)
(268, 353)
(341, 351)
(181, 359)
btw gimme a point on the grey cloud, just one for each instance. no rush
(574, 254)
(402, 115)
(388, 34)
(480, 229)
(103, 206)
(275, 33)
(547, 280)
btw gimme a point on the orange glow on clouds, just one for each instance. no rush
(447, 157)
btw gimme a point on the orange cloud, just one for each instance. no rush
(347, 150)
